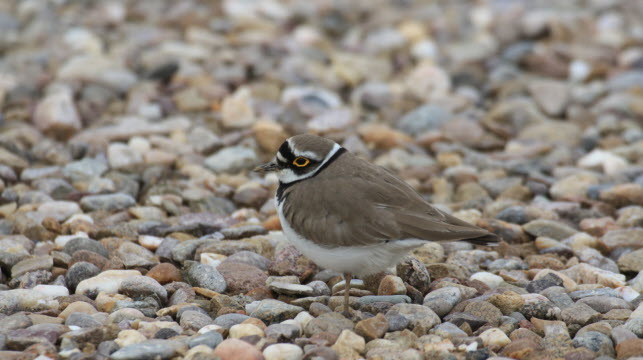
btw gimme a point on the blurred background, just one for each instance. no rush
(128, 130)
(469, 101)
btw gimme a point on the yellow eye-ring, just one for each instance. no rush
(300, 161)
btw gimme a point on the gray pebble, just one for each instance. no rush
(205, 276)
(210, 339)
(148, 350)
(107, 202)
(228, 320)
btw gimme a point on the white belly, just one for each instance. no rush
(357, 260)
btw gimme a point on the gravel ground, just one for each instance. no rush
(132, 228)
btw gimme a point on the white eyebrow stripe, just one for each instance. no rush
(307, 154)
(288, 176)
(280, 157)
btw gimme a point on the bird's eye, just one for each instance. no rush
(300, 161)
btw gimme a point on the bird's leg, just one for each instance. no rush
(347, 291)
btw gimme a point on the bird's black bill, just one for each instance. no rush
(267, 167)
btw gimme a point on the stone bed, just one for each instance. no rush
(131, 226)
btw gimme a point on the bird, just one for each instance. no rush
(351, 216)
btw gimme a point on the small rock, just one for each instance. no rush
(494, 338)
(232, 160)
(442, 301)
(56, 115)
(233, 349)
(595, 341)
(552, 96)
(391, 285)
(421, 318)
(83, 243)
(283, 352)
(164, 273)
(241, 278)
(205, 276)
(332, 322)
(291, 289)
(631, 262)
(108, 202)
(283, 332)
(108, 281)
(372, 328)
(272, 311)
(149, 349)
(143, 286)
(485, 311)
(211, 339)
(580, 314)
(349, 345)
(549, 228)
(507, 302)
(241, 330)
(489, 279)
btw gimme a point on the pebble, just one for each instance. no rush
(141, 287)
(231, 349)
(241, 330)
(211, 339)
(205, 276)
(494, 338)
(108, 202)
(108, 281)
(372, 328)
(232, 160)
(421, 318)
(349, 345)
(548, 228)
(283, 352)
(442, 301)
(291, 289)
(272, 311)
(391, 285)
(149, 349)
(164, 273)
(132, 225)
(489, 279)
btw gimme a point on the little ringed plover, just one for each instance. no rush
(351, 216)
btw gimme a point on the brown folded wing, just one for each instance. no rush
(363, 204)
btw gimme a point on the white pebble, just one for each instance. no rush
(139, 144)
(208, 328)
(61, 240)
(150, 242)
(52, 290)
(241, 330)
(212, 259)
(80, 217)
(579, 70)
(129, 337)
(283, 352)
(627, 293)
(491, 280)
(612, 164)
(108, 281)
(303, 318)
(494, 337)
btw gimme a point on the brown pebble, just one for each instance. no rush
(372, 328)
(272, 223)
(241, 278)
(629, 348)
(235, 349)
(165, 273)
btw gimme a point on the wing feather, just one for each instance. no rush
(388, 209)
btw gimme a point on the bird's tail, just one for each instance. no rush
(485, 240)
